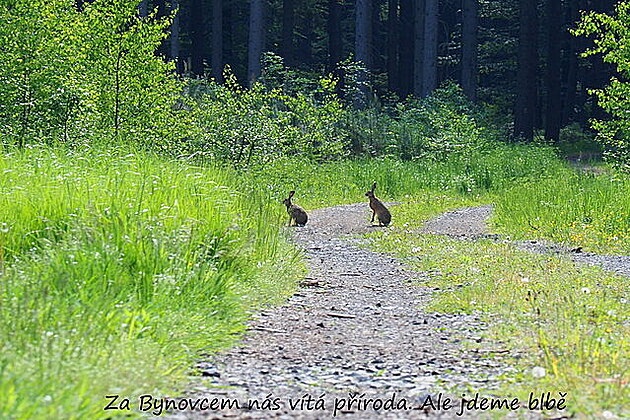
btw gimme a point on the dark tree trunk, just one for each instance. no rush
(288, 22)
(143, 8)
(217, 40)
(378, 41)
(335, 46)
(363, 33)
(362, 45)
(526, 90)
(197, 37)
(573, 48)
(228, 33)
(470, 23)
(449, 23)
(304, 50)
(553, 79)
(405, 51)
(256, 39)
(392, 41)
(418, 54)
(174, 50)
(429, 68)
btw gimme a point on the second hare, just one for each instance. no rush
(378, 208)
(297, 214)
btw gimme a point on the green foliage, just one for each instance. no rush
(612, 40)
(76, 76)
(346, 181)
(255, 126)
(438, 127)
(578, 209)
(575, 141)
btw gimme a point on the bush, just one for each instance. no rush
(612, 39)
(437, 127)
(254, 126)
(74, 76)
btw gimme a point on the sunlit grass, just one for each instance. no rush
(571, 321)
(118, 269)
(347, 181)
(592, 211)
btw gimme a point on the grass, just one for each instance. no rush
(118, 269)
(571, 321)
(347, 181)
(581, 209)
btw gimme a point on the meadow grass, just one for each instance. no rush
(569, 320)
(346, 181)
(576, 208)
(119, 268)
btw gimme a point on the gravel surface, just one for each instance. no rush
(470, 223)
(356, 327)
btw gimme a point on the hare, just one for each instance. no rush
(296, 213)
(378, 208)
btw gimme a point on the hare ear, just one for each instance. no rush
(291, 194)
(373, 187)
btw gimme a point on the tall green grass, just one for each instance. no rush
(118, 269)
(479, 172)
(581, 209)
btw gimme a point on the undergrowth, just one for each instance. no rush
(118, 269)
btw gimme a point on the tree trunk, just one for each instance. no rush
(526, 90)
(470, 23)
(573, 49)
(362, 45)
(363, 33)
(418, 54)
(228, 34)
(305, 40)
(554, 111)
(143, 8)
(405, 51)
(335, 45)
(174, 38)
(197, 37)
(392, 40)
(429, 68)
(217, 40)
(256, 39)
(288, 23)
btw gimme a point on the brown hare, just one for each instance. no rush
(296, 213)
(378, 208)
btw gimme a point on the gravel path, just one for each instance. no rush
(468, 222)
(356, 326)
(471, 223)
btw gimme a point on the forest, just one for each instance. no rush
(148, 247)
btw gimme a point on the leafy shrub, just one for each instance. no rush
(612, 39)
(255, 126)
(76, 75)
(437, 127)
